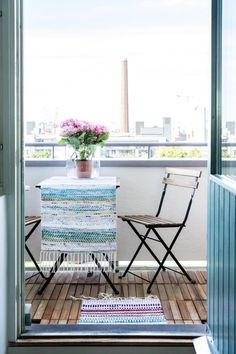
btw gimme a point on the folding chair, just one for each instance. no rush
(33, 221)
(178, 178)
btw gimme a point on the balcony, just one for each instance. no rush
(182, 302)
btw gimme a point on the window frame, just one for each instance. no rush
(13, 130)
(215, 150)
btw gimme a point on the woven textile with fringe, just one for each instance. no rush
(112, 310)
(79, 219)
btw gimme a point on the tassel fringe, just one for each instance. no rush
(105, 296)
(78, 261)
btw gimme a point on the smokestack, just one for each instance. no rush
(124, 126)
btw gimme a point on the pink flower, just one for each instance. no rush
(82, 135)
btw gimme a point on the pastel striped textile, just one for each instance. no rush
(78, 218)
(122, 311)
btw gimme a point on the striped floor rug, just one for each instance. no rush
(122, 311)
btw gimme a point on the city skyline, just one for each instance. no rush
(72, 68)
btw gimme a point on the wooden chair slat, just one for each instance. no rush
(187, 184)
(149, 220)
(31, 220)
(183, 172)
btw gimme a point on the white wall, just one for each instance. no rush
(139, 192)
(3, 276)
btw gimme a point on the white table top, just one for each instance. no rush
(68, 181)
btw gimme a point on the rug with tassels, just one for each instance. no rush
(122, 311)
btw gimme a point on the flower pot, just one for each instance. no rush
(84, 168)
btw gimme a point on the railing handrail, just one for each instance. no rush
(132, 143)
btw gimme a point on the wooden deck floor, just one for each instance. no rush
(182, 302)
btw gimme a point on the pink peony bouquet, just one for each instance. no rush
(83, 137)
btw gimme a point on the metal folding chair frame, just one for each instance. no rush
(35, 221)
(63, 257)
(152, 227)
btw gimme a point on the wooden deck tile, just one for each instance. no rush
(175, 310)
(118, 287)
(162, 292)
(94, 290)
(40, 311)
(28, 288)
(116, 278)
(57, 310)
(165, 276)
(185, 291)
(180, 278)
(201, 291)
(64, 291)
(48, 310)
(71, 291)
(169, 291)
(183, 310)
(79, 290)
(65, 312)
(192, 310)
(87, 290)
(200, 278)
(172, 276)
(130, 278)
(30, 296)
(132, 290)
(193, 292)
(200, 310)
(167, 310)
(125, 290)
(56, 291)
(177, 292)
(182, 301)
(35, 305)
(48, 291)
(204, 274)
(139, 290)
(192, 275)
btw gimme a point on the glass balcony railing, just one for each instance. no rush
(122, 150)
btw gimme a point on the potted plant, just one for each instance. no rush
(84, 137)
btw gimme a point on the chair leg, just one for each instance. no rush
(52, 272)
(112, 263)
(29, 252)
(143, 242)
(104, 274)
(168, 253)
(35, 263)
(32, 230)
(134, 256)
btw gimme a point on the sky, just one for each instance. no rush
(73, 51)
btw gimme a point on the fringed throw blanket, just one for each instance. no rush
(79, 219)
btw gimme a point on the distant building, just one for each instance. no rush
(230, 125)
(124, 122)
(138, 127)
(167, 128)
(164, 131)
(180, 136)
(30, 127)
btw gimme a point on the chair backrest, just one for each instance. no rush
(180, 178)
